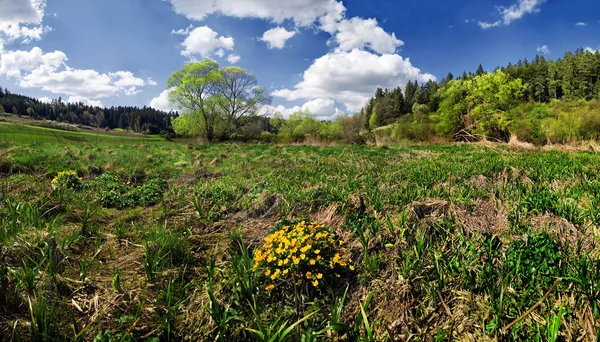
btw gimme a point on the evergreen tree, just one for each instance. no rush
(480, 71)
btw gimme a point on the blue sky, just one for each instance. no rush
(326, 56)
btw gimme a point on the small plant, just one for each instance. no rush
(151, 261)
(44, 318)
(27, 277)
(120, 232)
(116, 281)
(300, 255)
(84, 267)
(67, 180)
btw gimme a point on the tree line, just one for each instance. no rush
(538, 101)
(140, 120)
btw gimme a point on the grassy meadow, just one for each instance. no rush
(155, 240)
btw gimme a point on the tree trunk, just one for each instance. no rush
(210, 134)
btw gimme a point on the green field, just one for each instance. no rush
(156, 240)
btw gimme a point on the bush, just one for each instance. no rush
(266, 137)
(414, 127)
(300, 255)
(115, 194)
(67, 180)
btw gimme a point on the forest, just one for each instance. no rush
(139, 120)
(539, 101)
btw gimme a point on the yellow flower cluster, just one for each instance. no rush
(64, 175)
(301, 253)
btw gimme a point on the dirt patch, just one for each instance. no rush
(266, 205)
(433, 208)
(487, 216)
(514, 142)
(329, 217)
(565, 233)
(479, 181)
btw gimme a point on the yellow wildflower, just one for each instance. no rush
(270, 287)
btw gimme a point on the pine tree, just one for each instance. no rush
(480, 71)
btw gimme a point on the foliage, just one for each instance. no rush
(114, 193)
(217, 99)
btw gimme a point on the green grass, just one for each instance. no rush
(455, 241)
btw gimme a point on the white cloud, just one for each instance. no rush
(183, 32)
(322, 109)
(232, 59)
(589, 49)
(581, 24)
(14, 63)
(204, 41)
(487, 26)
(543, 49)
(22, 11)
(514, 12)
(303, 12)
(21, 19)
(161, 102)
(86, 101)
(364, 55)
(151, 82)
(45, 99)
(49, 72)
(276, 37)
(365, 33)
(352, 77)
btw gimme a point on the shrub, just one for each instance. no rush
(115, 194)
(67, 180)
(301, 255)
(266, 137)
(414, 127)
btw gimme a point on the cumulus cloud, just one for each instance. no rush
(232, 59)
(514, 12)
(151, 82)
(22, 19)
(303, 12)
(161, 102)
(322, 109)
(589, 49)
(86, 101)
(204, 41)
(543, 49)
(581, 24)
(365, 33)
(351, 77)
(276, 37)
(49, 72)
(363, 57)
(14, 63)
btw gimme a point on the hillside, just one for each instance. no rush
(137, 119)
